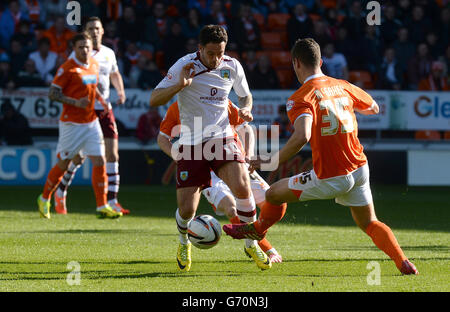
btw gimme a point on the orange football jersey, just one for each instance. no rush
(336, 149)
(78, 81)
(172, 119)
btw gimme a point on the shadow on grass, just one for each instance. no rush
(399, 206)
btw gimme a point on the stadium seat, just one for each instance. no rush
(430, 135)
(286, 77)
(447, 135)
(280, 59)
(260, 20)
(277, 21)
(234, 54)
(271, 41)
(361, 78)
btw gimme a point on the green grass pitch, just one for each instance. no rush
(322, 248)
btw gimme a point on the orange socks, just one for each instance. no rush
(53, 178)
(385, 240)
(100, 185)
(269, 215)
(264, 243)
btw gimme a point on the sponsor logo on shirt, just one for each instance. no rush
(289, 105)
(225, 74)
(89, 79)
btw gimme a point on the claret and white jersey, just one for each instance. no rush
(108, 64)
(205, 101)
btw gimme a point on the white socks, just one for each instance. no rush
(182, 225)
(246, 211)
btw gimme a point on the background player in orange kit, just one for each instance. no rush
(219, 194)
(322, 112)
(75, 85)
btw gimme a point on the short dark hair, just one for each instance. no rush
(92, 19)
(307, 51)
(80, 36)
(212, 34)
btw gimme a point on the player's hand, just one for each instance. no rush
(186, 75)
(245, 114)
(122, 98)
(254, 164)
(83, 102)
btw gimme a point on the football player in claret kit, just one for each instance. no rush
(202, 82)
(322, 112)
(75, 86)
(219, 194)
(108, 71)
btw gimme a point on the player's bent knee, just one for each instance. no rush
(97, 161)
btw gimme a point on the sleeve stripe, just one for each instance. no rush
(165, 135)
(302, 115)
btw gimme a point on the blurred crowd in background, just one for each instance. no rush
(409, 51)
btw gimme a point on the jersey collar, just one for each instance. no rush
(80, 63)
(312, 77)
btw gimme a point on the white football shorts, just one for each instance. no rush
(219, 190)
(74, 138)
(351, 190)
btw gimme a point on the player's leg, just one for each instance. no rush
(187, 200)
(360, 201)
(382, 236)
(61, 191)
(235, 175)
(53, 178)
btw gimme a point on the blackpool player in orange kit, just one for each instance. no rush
(322, 112)
(219, 194)
(75, 86)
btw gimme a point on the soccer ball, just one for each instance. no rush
(204, 231)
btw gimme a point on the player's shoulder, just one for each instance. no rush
(107, 50)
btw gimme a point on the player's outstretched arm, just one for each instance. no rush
(373, 110)
(55, 94)
(165, 144)
(117, 82)
(246, 104)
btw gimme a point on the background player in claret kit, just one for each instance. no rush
(202, 81)
(75, 85)
(108, 72)
(219, 194)
(322, 112)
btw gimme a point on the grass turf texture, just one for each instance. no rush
(322, 248)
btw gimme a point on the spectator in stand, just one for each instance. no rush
(52, 9)
(29, 76)
(250, 63)
(129, 28)
(246, 30)
(148, 125)
(299, 24)
(371, 45)
(390, 73)
(321, 33)
(44, 59)
(446, 60)
(157, 26)
(390, 25)
(403, 9)
(35, 11)
(404, 48)
(25, 36)
(192, 24)
(150, 76)
(6, 75)
(217, 16)
(202, 6)
(333, 23)
(351, 48)
(136, 68)
(418, 24)
(59, 35)
(419, 66)
(131, 57)
(436, 80)
(264, 76)
(191, 46)
(14, 127)
(9, 19)
(355, 21)
(286, 128)
(174, 44)
(443, 27)
(18, 56)
(434, 45)
(334, 64)
(111, 38)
